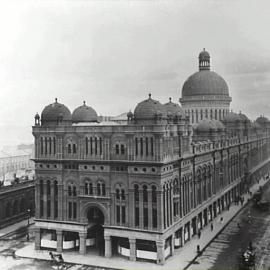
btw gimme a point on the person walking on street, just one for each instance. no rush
(212, 227)
(199, 234)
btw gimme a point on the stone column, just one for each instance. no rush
(160, 210)
(172, 244)
(82, 243)
(160, 252)
(37, 238)
(108, 246)
(59, 237)
(132, 247)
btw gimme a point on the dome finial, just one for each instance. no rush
(149, 95)
(55, 100)
(84, 103)
(204, 60)
(170, 99)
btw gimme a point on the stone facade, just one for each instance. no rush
(143, 188)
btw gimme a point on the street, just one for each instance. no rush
(224, 252)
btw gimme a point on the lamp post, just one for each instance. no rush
(28, 223)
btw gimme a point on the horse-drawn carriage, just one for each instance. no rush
(247, 260)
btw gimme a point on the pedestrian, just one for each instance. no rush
(221, 220)
(238, 225)
(199, 234)
(212, 227)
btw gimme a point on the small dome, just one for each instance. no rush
(243, 117)
(129, 114)
(148, 109)
(207, 125)
(37, 116)
(232, 117)
(262, 120)
(84, 113)
(55, 113)
(204, 55)
(172, 108)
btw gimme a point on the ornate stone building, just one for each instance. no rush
(143, 188)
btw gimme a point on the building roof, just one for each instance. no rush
(209, 125)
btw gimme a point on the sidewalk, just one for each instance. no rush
(15, 226)
(182, 258)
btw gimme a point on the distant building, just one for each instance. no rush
(143, 188)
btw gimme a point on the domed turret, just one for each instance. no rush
(55, 114)
(149, 109)
(173, 109)
(204, 60)
(262, 120)
(208, 125)
(84, 113)
(232, 118)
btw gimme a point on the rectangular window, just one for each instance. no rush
(145, 217)
(54, 146)
(146, 146)
(86, 146)
(136, 146)
(154, 217)
(91, 146)
(69, 209)
(41, 208)
(141, 144)
(137, 216)
(122, 149)
(123, 214)
(152, 146)
(100, 146)
(95, 145)
(74, 210)
(48, 208)
(74, 148)
(117, 149)
(41, 146)
(55, 209)
(117, 214)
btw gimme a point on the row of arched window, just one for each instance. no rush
(47, 145)
(93, 146)
(144, 213)
(99, 189)
(49, 207)
(144, 146)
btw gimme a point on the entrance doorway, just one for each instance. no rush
(95, 231)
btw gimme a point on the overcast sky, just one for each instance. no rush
(113, 53)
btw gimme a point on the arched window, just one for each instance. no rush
(55, 188)
(74, 149)
(154, 194)
(123, 195)
(86, 189)
(74, 191)
(103, 189)
(69, 148)
(136, 193)
(117, 149)
(98, 189)
(122, 149)
(141, 145)
(41, 145)
(145, 195)
(48, 187)
(69, 190)
(117, 194)
(175, 187)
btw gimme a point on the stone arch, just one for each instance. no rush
(101, 207)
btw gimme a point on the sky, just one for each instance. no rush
(113, 53)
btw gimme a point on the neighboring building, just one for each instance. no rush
(13, 159)
(17, 202)
(143, 188)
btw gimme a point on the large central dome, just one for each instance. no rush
(205, 82)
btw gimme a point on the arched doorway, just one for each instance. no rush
(95, 232)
